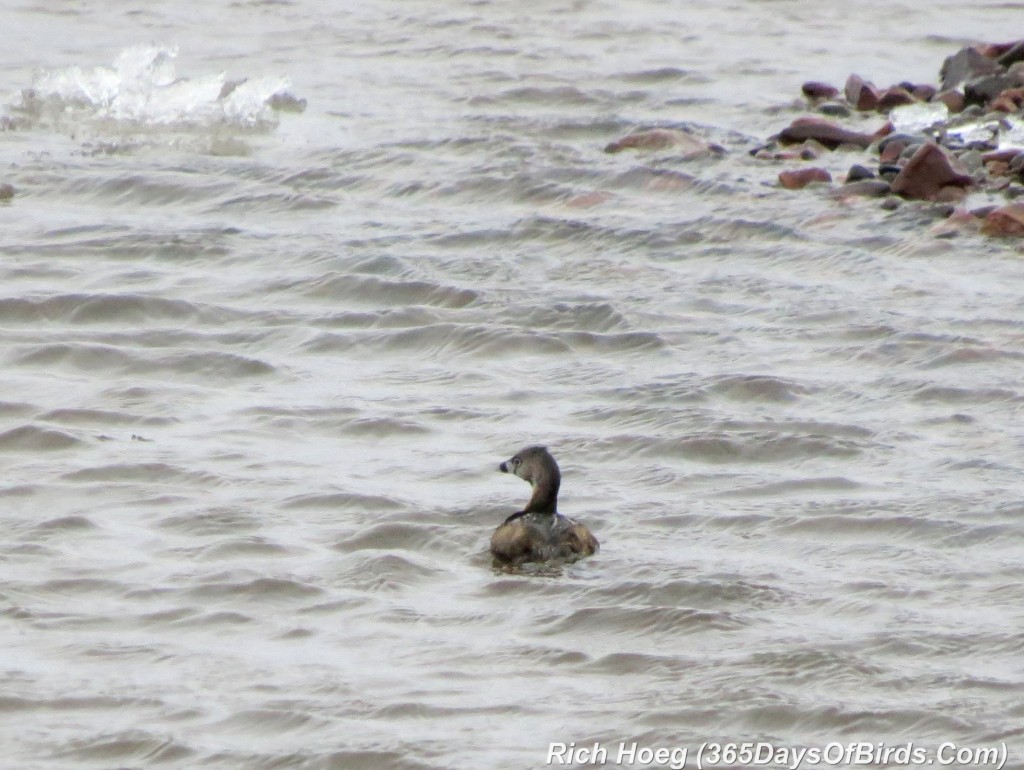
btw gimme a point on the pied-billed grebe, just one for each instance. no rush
(539, 533)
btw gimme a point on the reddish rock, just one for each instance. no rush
(828, 133)
(1016, 95)
(860, 94)
(894, 97)
(927, 172)
(886, 129)
(815, 90)
(1002, 104)
(891, 152)
(1013, 54)
(954, 100)
(997, 168)
(924, 92)
(662, 139)
(800, 178)
(950, 193)
(1005, 220)
(1005, 156)
(998, 50)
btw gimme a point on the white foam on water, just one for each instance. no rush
(1011, 137)
(910, 118)
(142, 88)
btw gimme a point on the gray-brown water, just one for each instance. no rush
(258, 374)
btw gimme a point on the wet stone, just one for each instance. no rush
(858, 172)
(860, 94)
(928, 172)
(894, 97)
(800, 178)
(965, 64)
(1005, 221)
(908, 152)
(923, 91)
(972, 160)
(985, 89)
(1013, 55)
(813, 89)
(834, 109)
(888, 172)
(868, 188)
(954, 100)
(830, 134)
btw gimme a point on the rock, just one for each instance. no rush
(858, 172)
(828, 133)
(1005, 220)
(868, 188)
(904, 139)
(888, 172)
(972, 160)
(1012, 55)
(966, 64)
(860, 94)
(800, 178)
(984, 89)
(908, 152)
(928, 172)
(1002, 104)
(997, 168)
(894, 97)
(1015, 95)
(891, 203)
(891, 152)
(663, 139)
(815, 90)
(924, 92)
(950, 193)
(834, 109)
(1007, 156)
(6, 191)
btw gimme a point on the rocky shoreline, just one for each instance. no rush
(936, 143)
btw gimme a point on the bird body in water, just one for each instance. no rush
(539, 533)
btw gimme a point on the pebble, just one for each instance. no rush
(800, 178)
(1005, 221)
(858, 172)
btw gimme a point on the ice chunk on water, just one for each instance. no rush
(1011, 136)
(911, 118)
(980, 132)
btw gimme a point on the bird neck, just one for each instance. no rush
(545, 495)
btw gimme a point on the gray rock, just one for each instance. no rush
(858, 172)
(972, 159)
(835, 109)
(965, 64)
